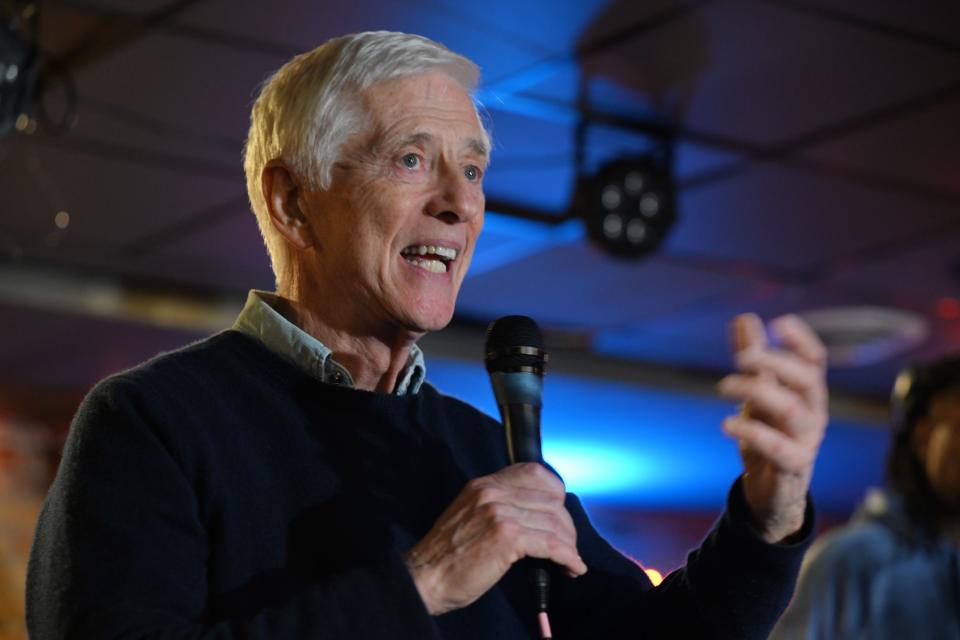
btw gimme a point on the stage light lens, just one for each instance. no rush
(634, 182)
(636, 231)
(612, 226)
(649, 205)
(610, 197)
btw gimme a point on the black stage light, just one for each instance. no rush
(628, 205)
(19, 69)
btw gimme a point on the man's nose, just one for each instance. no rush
(455, 198)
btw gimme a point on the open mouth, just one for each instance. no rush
(432, 258)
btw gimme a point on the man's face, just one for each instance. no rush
(940, 434)
(395, 232)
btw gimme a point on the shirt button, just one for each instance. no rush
(336, 377)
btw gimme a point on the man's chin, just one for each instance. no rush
(434, 324)
(422, 323)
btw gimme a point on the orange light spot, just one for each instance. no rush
(655, 576)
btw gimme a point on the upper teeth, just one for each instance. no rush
(424, 249)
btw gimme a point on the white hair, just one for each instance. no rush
(309, 108)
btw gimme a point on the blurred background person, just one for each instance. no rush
(894, 570)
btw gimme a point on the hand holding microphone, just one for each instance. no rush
(495, 521)
(516, 360)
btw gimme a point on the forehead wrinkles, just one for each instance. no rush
(435, 104)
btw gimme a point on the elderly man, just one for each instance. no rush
(296, 477)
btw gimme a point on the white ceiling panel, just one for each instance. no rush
(228, 253)
(182, 81)
(574, 285)
(154, 135)
(790, 219)
(922, 147)
(770, 74)
(112, 201)
(927, 270)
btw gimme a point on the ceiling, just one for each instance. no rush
(817, 162)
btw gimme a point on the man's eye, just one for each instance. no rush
(411, 161)
(472, 173)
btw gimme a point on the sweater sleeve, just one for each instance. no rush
(734, 585)
(120, 551)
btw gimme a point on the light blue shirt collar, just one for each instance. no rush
(260, 320)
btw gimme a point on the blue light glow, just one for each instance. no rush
(634, 446)
(593, 469)
(518, 239)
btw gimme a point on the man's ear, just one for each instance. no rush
(281, 191)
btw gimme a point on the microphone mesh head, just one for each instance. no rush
(508, 333)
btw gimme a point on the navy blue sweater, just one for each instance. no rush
(219, 492)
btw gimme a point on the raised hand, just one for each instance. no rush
(782, 419)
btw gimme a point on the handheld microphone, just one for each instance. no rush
(515, 359)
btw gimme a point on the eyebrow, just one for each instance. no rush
(478, 147)
(475, 145)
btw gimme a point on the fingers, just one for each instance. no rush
(782, 390)
(782, 418)
(797, 336)
(773, 402)
(527, 486)
(747, 332)
(494, 522)
(797, 364)
(787, 369)
(550, 547)
(531, 475)
(530, 497)
(780, 449)
(556, 522)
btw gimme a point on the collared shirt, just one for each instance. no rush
(260, 320)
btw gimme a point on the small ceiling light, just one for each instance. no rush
(628, 205)
(62, 220)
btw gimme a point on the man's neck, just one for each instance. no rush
(374, 362)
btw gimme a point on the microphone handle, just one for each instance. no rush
(522, 423)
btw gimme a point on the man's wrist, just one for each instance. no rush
(423, 580)
(778, 505)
